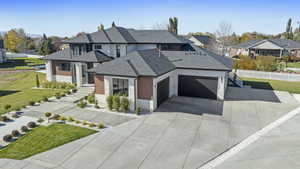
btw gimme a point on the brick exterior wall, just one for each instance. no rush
(99, 84)
(145, 88)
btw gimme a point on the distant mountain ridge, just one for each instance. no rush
(2, 33)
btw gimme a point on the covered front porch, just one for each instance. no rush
(253, 52)
(71, 72)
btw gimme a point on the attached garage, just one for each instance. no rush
(198, 86)
(163, 90)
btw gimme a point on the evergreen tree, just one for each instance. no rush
(289, 30)
(173, 25)
(46, 46)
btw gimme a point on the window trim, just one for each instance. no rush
(123, 86)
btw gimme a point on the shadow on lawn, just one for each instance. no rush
(7, 92)
(259, 85)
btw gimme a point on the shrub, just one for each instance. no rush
(91, 98)
(7, 106)
(92, 125)
(15, 133)
(56, 116)
(17, 109)
(138, 111)
(62, 118)
(82, 104)
(7, 138)
(40, 120)
(266, 63)
(70, 119)
(85, 123)
(77, 121)
(24, 106)
(4, 118)
(31, 103)
(24, 129)
(45, 99)
(63, 95)
(96, 104)
(116, 103)
(15, 115)
(57, 95)
(68, 92)
(37, 81)
(31, 124)
(124, 105)
(74, 90)
(58, 85)
(100, 126)
(109, 100)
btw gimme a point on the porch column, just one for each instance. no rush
(49, 72)
(78, 67)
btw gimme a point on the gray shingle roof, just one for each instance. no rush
(204, 39)
(199, 59)
(123, 35)
(284, 43)
(152, 63)
(92, 56)
(138, 63)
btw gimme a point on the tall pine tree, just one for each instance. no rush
(289, 30)
(173, 25)
(46, 46)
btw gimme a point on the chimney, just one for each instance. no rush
(101, 27)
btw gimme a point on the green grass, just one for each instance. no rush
(42, 139)
(294, 64)
(21, 63)
(292, 87)
(16, 90)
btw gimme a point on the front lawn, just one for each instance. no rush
(292, 87)
(16, 90)
(294, 64)
(21, 63)
(42, 139)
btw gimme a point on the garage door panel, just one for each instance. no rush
(163, 90)
(195, 86)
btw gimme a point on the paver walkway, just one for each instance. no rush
(66, 107)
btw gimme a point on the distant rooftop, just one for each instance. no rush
(283, 43)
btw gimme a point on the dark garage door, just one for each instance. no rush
(195, 86)
(162, 91)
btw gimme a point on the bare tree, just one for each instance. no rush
(223, 35)
(160, 26)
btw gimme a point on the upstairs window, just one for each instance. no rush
(120, 87)
(65, 67)
(118, 54)
(98, 46)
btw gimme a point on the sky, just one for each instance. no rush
(68, 17)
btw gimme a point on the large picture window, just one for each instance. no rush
(65, 67)
(120, 87)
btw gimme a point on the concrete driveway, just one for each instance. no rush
(185, 134)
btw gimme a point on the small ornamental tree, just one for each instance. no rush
(37, 80)
(48, 115)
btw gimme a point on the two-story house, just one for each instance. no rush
(147, 66)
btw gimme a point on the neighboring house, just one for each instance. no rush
(148, 66)
(2, 52)
(264, 47)
(207, 42)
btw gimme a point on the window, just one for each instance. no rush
(118, 51)
(98, 46)
(120, 87)
(65, 67)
